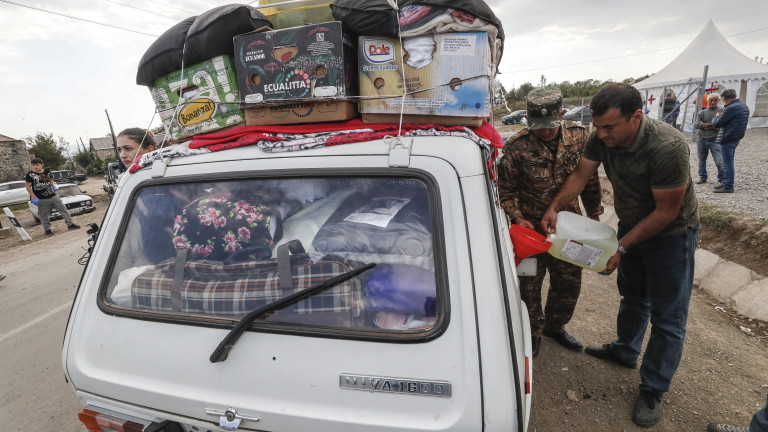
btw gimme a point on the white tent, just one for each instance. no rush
(728, 69)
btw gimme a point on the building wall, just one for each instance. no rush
(14, 160)
(105, 153)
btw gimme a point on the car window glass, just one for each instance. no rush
(65, 191)
(240, 236)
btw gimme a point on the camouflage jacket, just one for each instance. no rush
(529, 175)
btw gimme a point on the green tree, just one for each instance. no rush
(83, 158)
(52, 152)
(523, 91)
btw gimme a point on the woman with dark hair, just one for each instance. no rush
(132, 143)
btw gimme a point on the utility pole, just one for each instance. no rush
(700, 98)
(112, 131)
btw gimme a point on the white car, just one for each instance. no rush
(12, 193)
(77, 202)
(422, 327)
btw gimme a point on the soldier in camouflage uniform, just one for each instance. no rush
(536, 162)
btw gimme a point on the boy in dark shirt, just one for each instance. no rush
(42, 191)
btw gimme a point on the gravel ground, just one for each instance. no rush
(751, 185)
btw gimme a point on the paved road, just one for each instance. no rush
(35, 300)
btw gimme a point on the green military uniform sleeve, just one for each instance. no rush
(592, 148)
(508, 183)
(592, 195)
(671, 167)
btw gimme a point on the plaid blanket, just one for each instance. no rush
(232, 290)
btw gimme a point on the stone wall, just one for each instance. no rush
(14, 160)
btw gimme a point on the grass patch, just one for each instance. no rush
(715, 217)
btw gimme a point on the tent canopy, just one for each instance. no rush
(708, 48)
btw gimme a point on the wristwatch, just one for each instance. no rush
(622, 250)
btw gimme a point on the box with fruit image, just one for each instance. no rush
(199, 98)
(311, 62)
(443, 75)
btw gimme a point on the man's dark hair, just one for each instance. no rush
(139, 136)
(728, 94)
(622, 96)
(37, 161)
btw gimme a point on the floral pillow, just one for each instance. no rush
(219, 228)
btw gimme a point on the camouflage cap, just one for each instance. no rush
(544, 106)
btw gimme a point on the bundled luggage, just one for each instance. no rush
(238, 64)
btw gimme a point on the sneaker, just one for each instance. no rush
(48, 232)
(564, 339)
(718, 186)
(605, 352)
(702, 180)
(648, 409)
(716, 427)
(723, 190)
(73, 227)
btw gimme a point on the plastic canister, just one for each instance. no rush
(582, 241)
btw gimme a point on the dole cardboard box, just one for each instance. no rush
(308, 62)
(445, 75)
(205, 98)
(301, 111)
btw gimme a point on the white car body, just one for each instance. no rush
(73, 198)
(151, 367)
(12, 193)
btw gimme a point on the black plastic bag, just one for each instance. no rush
(164, 55)
(212, 32)
(206, 36)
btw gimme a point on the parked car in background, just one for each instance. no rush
(113, 174)
(514, 117)
(579, 114)
(67, 176)
(12, 193)
(77, 202)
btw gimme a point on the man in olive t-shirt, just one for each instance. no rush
(647, 163)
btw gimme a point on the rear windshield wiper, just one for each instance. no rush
(222, 351)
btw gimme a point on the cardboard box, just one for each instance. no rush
(423, 119)
(209, 98)
(301, 112)
(309, 62)
(455, 82)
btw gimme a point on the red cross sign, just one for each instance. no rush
(651, 99)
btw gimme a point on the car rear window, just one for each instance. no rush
(249, 242)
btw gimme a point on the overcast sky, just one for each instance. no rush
(59, 73)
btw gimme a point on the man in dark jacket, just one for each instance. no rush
(732, 123)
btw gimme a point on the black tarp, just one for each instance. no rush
(378, 18)
(206, 36)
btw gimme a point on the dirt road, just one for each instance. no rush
(723, 375)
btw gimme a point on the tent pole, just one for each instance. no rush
(646, 104)
(699, 100)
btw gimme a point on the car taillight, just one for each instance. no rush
(100, 422)
(527, 375)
